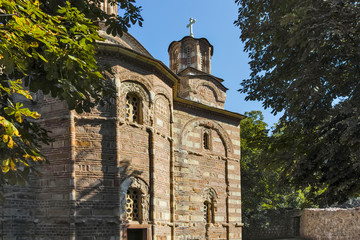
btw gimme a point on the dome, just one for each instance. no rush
(126, 41)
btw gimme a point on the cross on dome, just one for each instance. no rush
(191, 22)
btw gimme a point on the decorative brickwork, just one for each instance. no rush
(207, 93)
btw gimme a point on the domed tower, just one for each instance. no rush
(190, 52)
(190, 59)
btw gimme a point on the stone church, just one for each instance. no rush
(162, 162)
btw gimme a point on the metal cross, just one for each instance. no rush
(192, 21)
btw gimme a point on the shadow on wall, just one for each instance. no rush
(98, 186)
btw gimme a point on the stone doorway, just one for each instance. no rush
(137, 234)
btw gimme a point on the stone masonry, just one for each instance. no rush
(330, 224)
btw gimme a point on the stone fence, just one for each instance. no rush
(309, 224)
(273, 224)
(330, 224)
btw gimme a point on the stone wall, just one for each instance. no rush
(271, 224)
(330, 224)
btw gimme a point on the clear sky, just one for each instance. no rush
(165, 21)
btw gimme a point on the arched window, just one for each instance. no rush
(134, 200)
(209, 205)
(133, 206)
(133, 111)
(206, 139)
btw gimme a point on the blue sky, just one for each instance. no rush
(165, 21)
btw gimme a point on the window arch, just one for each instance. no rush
(133, 108)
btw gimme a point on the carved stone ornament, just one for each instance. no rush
(125, 76)
(142, 187)
(209, 195)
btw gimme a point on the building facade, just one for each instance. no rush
(162, 162)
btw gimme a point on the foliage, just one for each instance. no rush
(260, 188)
(305, 64)
(115, 24)
(54, 53)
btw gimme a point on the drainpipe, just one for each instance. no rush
(150, 130)
(172, 177)
(227, 196)
(72, 179)
(117, 147)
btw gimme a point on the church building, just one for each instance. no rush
(160, 163)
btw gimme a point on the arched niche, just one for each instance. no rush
(135, 77)
(210, 124)
(212, 87)
(162, 112)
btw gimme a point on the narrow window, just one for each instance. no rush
(132, 108)
(188, 60)
(176, 61)
(206, 140)
(133, 205)
(203, 62)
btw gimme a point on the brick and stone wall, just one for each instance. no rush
(331, 224)
(42, 208)
(198, 169)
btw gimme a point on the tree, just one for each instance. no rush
(116, 25)
(305, 64)
(260, 188)
(48, 47)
